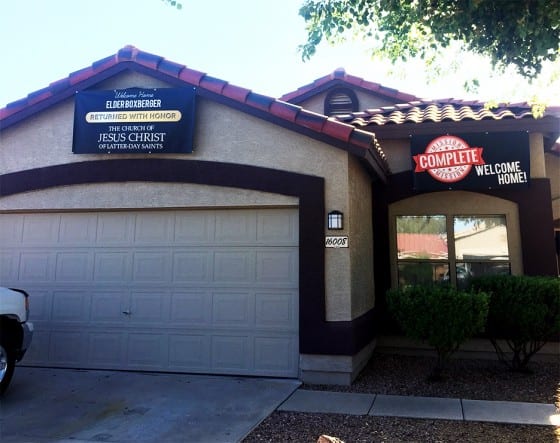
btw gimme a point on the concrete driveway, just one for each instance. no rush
(62, 405)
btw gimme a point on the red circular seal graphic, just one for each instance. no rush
(448, 159)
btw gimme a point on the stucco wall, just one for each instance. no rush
(365, 101)
(356, 285)
(151, 195)
(398, 154)
(538, 169)
(222, 134)
(361, 238)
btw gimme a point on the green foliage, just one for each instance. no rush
(442, 316)
(429, 224)
(520, 33)
(524, 313)
(173, 3)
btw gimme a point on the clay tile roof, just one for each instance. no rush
(417, 245)
(339, 77)
(437, 111)
(343, 135)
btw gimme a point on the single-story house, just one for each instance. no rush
(166, 220)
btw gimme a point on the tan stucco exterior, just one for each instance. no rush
(225, 135)
(365, 101)
(361, 235)
(536, 146)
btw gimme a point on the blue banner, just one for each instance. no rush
(134, 120)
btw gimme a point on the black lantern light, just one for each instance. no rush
(334, 220)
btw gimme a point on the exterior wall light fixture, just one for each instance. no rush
(334, 220)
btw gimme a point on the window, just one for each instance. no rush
(341, 101)
(450, 248)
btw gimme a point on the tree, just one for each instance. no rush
(174, 3)
(522, 33)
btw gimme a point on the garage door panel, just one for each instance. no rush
(9, 265)
(71, 306)
(273, 310)
(11, 229)
(151, 266)
(232, 309)
(147, 350)
(77, 229)
(106, 349)
(36, 266)
(277, 227)
(147, 308)
(273, 356)
(153, 229)
(189, 352)
(207, 291)
(230, 353)
(107, 307)
(194, 227)
(112, 266)
(40, 229)
(235, 227)
(277, 266)
(74, 267)
(115, 229)
(192, 266)
(233, 266)
(192, 308)
(66, 348)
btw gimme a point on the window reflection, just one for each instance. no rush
(422, 237)
(421, 273)
(479, 243)
(480, 238)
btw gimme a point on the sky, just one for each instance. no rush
(249, 43)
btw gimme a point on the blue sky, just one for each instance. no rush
(250, 43)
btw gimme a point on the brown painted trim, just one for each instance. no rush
(317, 336)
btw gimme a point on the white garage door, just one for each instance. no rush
(207, 291)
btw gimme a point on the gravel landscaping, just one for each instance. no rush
(408, 375)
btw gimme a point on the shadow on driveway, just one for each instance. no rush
(63, 405)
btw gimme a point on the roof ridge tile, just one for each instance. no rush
(311, 120)
(340, 76)
(259, 101)
(212, 84)
(285, 110)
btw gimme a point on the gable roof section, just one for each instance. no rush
(412, 114)
(362, 144)
(339, 77)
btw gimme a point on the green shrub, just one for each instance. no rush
(524, 313)
(442, 316)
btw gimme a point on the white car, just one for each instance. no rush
(15, 332)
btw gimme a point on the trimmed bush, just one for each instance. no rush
(524, 313)
(441, 316)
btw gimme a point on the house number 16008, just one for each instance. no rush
(336, 241)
